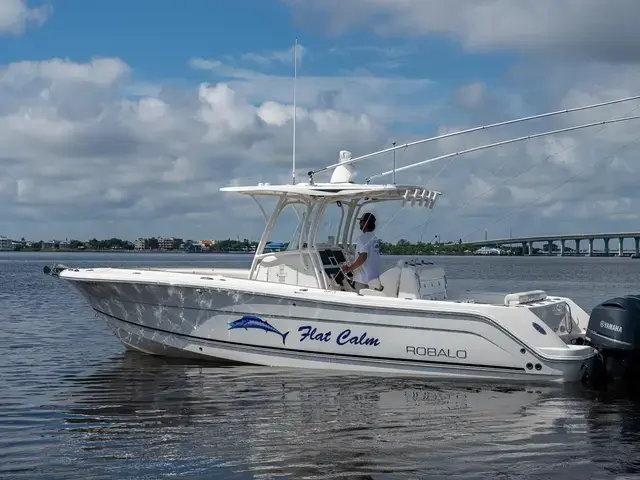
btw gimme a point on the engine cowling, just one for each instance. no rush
(614, 330)
(614, 325)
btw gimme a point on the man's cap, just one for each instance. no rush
(367, 216)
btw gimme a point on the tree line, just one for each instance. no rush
(93, 244)
(401, 247)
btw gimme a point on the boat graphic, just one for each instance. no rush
(251, 321)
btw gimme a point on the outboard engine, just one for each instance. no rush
(614, 330)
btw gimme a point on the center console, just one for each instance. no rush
(331, 259)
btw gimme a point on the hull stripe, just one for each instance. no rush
(326, 354)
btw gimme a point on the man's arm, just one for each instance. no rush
(362, 257)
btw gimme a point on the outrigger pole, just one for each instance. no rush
(469, 130)
(497, 144)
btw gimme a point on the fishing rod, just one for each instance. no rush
(469, 130)
(497, 144)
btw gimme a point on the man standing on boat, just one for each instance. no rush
(367, 263)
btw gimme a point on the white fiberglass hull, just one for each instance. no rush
(188, 315)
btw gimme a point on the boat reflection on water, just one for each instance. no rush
(148, 416)
(613, 432)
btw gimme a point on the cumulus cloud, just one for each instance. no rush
(83, 155)
(395, 96)
(101, 71)
(564, 54)
(586, 28)
(88, 150)
(15, 16)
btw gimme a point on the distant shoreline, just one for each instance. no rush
(174, 252)
(233, 252)
(239, 252)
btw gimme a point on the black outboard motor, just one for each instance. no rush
(614, 330)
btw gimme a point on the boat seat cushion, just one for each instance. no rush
(390, 280)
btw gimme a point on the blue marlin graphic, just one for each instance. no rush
(251, 321)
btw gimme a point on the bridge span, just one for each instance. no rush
(528, 242)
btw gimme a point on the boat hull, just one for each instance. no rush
(150, 341)
(284, 331)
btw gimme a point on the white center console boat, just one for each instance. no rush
(295, 308)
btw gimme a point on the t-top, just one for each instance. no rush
(370, 269)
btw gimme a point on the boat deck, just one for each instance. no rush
(230, 272)
(482, 297)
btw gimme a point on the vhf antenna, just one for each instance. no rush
(295, 77)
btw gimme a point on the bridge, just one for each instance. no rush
(527, 242)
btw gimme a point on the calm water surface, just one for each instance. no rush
(75, 405)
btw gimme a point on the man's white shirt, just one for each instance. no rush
(370, 269)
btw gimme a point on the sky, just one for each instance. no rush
(118, 119)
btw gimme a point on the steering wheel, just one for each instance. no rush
(340, 277)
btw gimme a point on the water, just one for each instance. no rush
(75, 405)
